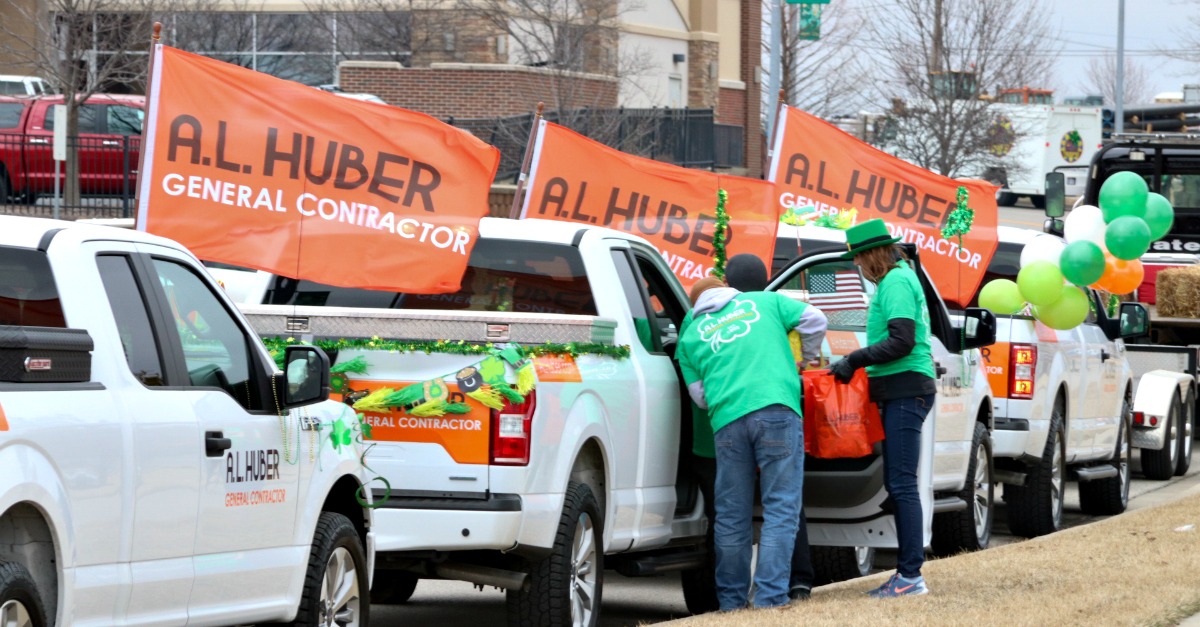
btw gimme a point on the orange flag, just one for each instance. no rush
(248, 169)
(576, 179)
(817, 164)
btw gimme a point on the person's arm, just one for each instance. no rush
(812, 327)
(691, 377)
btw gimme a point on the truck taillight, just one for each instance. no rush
(511, 432)
(1022, 370)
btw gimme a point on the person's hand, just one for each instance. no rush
(842, 371)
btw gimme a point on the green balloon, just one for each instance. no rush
(1068, 312)
(1040, 283)
(1127, 237)
(1082, 262)
(1159, 215)
(1123, 194)
(1002, 296)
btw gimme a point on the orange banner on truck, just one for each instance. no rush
(248, 169)
(818, 165)
(576, 179)
(466, 437)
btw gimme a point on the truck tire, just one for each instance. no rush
(393, 587)
(700, 587)
(336, 556)
(970, 529)
(1036, 508)
(1006, 199)
(1187, 432)
(4, 188)
(1038, 201)
(1160, 464)
(20, 603)
(565, 587)
(1107, 497)
(840, 563)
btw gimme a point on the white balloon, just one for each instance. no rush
(1044, 247)
(1085, 223)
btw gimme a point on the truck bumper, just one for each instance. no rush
(502, 522)
(1010, 437)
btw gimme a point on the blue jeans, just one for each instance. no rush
(902, 421)
(771, 441)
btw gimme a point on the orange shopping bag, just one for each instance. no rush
(839, 419)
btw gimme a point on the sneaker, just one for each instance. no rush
(899, 586)
(800, 593)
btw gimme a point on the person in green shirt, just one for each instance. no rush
(737, 363)
(900, 374)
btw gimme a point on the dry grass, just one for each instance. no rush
(1134, 569)
(1178, 292)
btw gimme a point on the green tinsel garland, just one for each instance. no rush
(277, 345)
(720, 234)
(958, 223)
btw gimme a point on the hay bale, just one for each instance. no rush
(1178, 292)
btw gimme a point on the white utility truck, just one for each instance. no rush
(1043, 138)
(592, 469)
(156, 467)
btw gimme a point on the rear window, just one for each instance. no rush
(501, 276)
(788, 248)
(28, 295)
(10, 115)
(1006, 263)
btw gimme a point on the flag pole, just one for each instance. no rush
(779, 104)
(155, 39)
(519, 193)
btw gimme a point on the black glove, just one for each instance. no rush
(843, 370)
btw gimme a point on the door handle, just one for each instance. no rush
(939, 369)
(1104, 355)
(215, 443)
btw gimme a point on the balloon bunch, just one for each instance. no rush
(1101, 251)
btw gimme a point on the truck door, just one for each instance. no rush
(655, 309)
(843, 497)
(1102, 370)
(250, 466)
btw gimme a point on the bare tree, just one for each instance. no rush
(1101, 78)
(822, 76)
(936, 58)
(82, 47)
(409, 32)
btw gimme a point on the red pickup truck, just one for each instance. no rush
(109, 143)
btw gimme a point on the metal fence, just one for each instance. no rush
(108, 168)
(108, 165)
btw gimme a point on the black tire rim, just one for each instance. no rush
(340, 603)
(14, 614)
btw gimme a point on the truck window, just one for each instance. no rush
(10, 115)
(664, 305)
(1183, 190)
(1005, 264)
(501, 275)
(124, 120)
(133, 321)
(215, 348)
(836, 288)
(89, 119)
(28, 294)
(639, 306)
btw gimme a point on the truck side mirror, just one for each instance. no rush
(978, 329)
(1056, 195)
(305, 378)
(1134, 320)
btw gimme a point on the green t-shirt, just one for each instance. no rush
(703, 442)
(742, 355)
(899, 295)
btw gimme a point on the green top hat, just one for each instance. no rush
(868, 235)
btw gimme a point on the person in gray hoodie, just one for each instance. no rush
(737, 364)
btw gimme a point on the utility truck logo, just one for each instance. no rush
(729, 326)
(1071, 146)
(256, 465)
(1001, 136)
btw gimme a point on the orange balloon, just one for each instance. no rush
(1110, 270)
(1127, 276)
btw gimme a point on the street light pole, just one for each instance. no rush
(775, 64)
(1119, 123)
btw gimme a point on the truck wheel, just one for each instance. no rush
(970, 529)
(393, 587)
(1036, 508)
(565, 587)
(4, 189)
(700, 587)
(1160, 464)
(1106, 497)
(839, 563)
(1006, 199)
(335, 588)
(1038, 201)
(1186, 431)
(20, 603)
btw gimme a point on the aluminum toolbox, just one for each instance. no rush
(44, 355)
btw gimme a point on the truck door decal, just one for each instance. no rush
(995, 362)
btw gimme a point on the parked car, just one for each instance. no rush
(16, 85)
(108, 143)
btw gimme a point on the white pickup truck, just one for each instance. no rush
(156, 468)
(593, 469)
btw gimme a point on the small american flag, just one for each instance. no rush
(836, 291)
